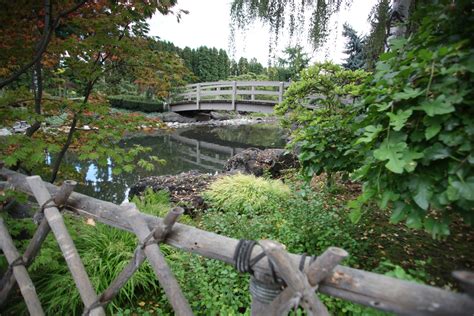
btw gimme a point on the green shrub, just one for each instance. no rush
(418, 139)
(246, 194)
(317, 105)
(302, 223)
(136, 103)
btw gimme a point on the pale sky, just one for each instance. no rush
(207, 24)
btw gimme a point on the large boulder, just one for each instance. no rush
(257, 162)
(220, 116)
(184, 188)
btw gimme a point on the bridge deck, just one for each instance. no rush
(224, 105)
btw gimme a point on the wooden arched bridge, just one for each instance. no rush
(247, 96)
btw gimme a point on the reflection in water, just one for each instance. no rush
(203, 148)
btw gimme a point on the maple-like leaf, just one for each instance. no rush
(393, 152)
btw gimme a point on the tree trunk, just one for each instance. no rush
(59, 158)
(38, 90)
(399, 16)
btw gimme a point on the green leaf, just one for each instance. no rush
(397, 121)
(423, 193)
(436, 227)
(387, 196)
(436, 152)
(355, 215)
(370, 133)
(437, 107)
(128, 168)
(409, 157)
(10, 160)
(407, 93)
(464, 189)
(93, 155)
(393, 152)
(399, 212)
(432, 131)
(414, 221)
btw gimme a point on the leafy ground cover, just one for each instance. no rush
(310, 219)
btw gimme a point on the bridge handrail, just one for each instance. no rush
(239, 83)
(270, 92)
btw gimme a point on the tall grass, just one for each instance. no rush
(105, 251)
(246, 194)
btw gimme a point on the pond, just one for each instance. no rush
(202, 148)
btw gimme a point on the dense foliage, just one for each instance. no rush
(206, 64)
(246, 194)
(288, 67)
(418, 135)
(136, 103)
(318, 108)
(76, 45)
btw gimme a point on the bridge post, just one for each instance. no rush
(280, 92)
(234, 95)
(252, 96)
(198, 96)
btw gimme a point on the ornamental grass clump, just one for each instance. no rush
(246, 194)
(104, 251)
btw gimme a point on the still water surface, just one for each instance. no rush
(202, 148)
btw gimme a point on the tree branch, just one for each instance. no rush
(42, 45)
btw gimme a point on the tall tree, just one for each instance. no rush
(293, 61)
(354, 49)
(98, 37)
(255, 67)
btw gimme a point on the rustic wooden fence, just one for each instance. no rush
(279, 280)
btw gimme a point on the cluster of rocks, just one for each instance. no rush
(176, 120)
(259, 162)
(186, 188)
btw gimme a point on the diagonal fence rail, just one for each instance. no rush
(280, 280)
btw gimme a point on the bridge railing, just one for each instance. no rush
(270, 92)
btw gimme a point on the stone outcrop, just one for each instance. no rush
(257, 162)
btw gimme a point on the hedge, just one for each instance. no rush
(136, 103)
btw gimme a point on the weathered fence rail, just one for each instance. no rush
(252, 96)
(370, 289)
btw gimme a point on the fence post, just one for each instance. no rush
(280, 92)
(18, 268)
(198, 96)
(252, 96)
(8, 281)
(234, 95)
(66, 244)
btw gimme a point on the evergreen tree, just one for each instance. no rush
(243, 66)
(255, 67)
(289, 66)
(354, 49)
